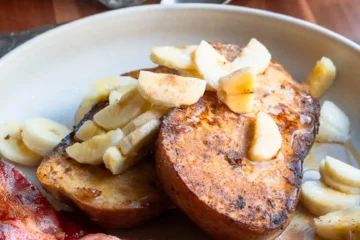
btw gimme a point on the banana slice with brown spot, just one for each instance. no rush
(339, 225)
(12, 146)
(41, 135)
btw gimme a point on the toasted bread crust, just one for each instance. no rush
(203, 165)
(115, 201)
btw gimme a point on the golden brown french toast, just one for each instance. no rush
(116, 201)
(203, 164)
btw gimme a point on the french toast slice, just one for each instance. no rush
(113, 201)
(203, 165)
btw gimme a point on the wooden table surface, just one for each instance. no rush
(342, 16)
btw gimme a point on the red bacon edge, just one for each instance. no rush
(25, 214)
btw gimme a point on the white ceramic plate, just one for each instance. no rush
(49, 75)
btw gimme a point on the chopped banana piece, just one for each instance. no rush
(267, 138)
(254, 55)
(242, 103)
(210, 65)
(168, 90)
(239, 82)
(334, 184)
(13, 148)
(173, 57)
(237, 89)
(342, 172)
(116, 162)
(153, 113)
(118, 114)
(92, 150)
(105, 85)
(334, 124)
(340, 176)
(339, 225)
(118, 93)
(100, 92)
(88, 130)
(140, 137)
(41, 135)
(321, 77)
(319, 199)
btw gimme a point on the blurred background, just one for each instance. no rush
(341, 16)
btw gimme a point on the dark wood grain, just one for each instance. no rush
(23, 14)
(342, 16)
(294, 8)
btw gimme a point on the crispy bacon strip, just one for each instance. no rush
(25, 214)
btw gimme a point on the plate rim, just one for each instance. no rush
(186, 6)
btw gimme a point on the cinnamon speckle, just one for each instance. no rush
(240, 203)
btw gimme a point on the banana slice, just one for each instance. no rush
(342, 172)
(210, 65)
(173, 57)
(120, 113)
(13, 148)
(339, 225)
(92, 150)
(167, 90)
(255, 55)
(267, 139)
(320, 199)
(334, 124)
(118, 93)
(321, 77)
(100, 92)
(88, 130)
(237, 89)
(105, 85)
(140, 137)
(239, 82)
(328, 180)
(153, 113)
(42, 135)
(116, 162)
(242, 103)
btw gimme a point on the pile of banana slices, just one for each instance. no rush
(335, 198)
(119, 131)
(131, 121)
(27, 144)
